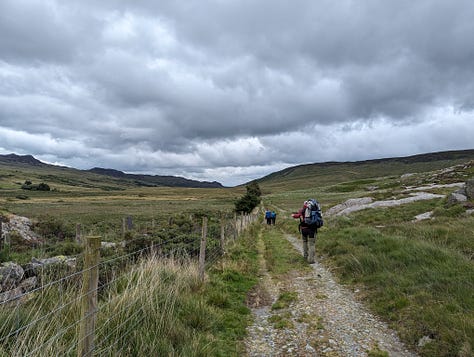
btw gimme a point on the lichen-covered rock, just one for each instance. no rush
(10, 295)
(19, 292)
(36, 266)
(10, 275)
(470, 189)
(28, 284)
(462, 190)
(455, 198)
(21, 225)
(32, 269)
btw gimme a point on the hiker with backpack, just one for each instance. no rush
(268, 217)
(311, 219)
(274, 216)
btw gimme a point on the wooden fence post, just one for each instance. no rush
(202, 251)
(124, 227)
(129, 223)
(1, 240)
(90, 280)
(235, 225)
(222, 234)
(78, 233)
(241, 222)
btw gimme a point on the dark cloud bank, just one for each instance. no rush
(233, 90)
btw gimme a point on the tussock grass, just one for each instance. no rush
(159, 307)
(148, 310)
(420, 277)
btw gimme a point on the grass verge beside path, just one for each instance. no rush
(419, 277)
(280, 256)
(229, 282)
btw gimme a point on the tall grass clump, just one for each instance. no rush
(156, 307)
(422, 284)
(148, 310)
(151, 311)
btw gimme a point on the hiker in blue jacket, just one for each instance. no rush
(273, 216)
(268, 217)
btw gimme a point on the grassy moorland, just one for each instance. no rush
(88, 198)
(419, 276)
(98, 203)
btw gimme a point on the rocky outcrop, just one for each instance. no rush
(358, 204)
(16, 280)
(465, 193)
(11, 275)
(455, 198)
(470, 189)
(423, 216)
(37, 266)
(20, 291)
(21, 225)
(347, 205)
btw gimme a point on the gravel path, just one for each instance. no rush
(325, 319)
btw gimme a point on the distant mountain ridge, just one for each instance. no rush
(156, 180)
(139, 180)
(305, 175)
(21, 159)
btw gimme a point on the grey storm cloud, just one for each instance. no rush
(233, 89)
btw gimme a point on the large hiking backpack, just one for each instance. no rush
(312, 215)
(268, 214)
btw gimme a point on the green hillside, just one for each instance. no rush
(14, 168)
(327, 173)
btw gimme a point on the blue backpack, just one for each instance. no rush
(268, 214)
(312, 215)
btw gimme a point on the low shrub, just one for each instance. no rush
(53, 228)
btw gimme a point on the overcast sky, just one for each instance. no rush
(232, 90)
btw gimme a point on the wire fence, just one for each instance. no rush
(46, 320)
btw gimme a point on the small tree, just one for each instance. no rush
(250, 200)
(43, 187)
(253, 189)
(27, 185)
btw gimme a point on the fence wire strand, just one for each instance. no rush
(213, 254)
